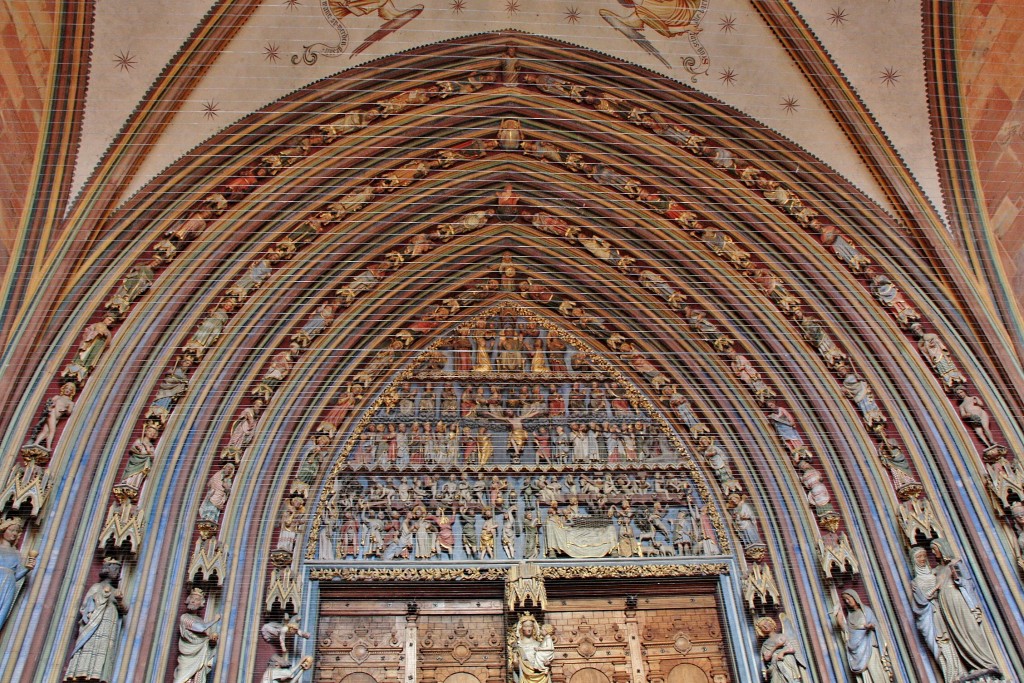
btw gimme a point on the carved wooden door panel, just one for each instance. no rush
(361, 641)
(665, 639)
(387, 641)
(460, 641)
(590, 643)
(682, 639)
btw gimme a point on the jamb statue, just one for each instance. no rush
(13, 568)
(858, 625)
(99, 632)
(197, 641)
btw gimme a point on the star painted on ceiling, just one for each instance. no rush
(210, 109)
(512, 7)
(291, 4)
(727, 24)
(124, 60)
(838, 16)
(572, 14)
(790, 104)
(727, 76)
(890, 76)
(271, 52)
(457, 6)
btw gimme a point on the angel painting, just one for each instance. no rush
(669, 18)
(337, 11)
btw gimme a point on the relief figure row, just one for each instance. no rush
(422, 518)
(466, 442)
(598, 400)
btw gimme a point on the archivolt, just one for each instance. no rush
(452, 149)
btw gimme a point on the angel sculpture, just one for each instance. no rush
(779, 651)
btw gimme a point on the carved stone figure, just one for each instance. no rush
(13, 567)
(320, 321)
(707, 545)
(140, 458)
(817, 493)
(172, 386)
(864, 654)
(949, 616)
(779, 653)
(197, 641)
(92, 659)
(218, 488)
(517, 435)
(57, 408)
(858, 391)
(488, 534)
(973, 412)
(278, 632)
(682, 532)
(785, 426)
(135, 283)
(508, 532)
(532, 651)
(208, 332)
(745, 519)
(94, 340)
(532, 524)
(938, 357)
(244, 427)
(280, 669)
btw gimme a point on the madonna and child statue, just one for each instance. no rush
(532, 651)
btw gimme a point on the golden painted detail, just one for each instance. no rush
(411, 574)
(632, 571)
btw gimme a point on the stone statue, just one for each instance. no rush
(172, 387)
(277, 632)
(208, 332)
(508, 532)
(140, 458)
(938, 357)
(94, 340)
(218, 488)
(779, 652)
(197, 641)
(858, 391)
(785, 426)
(280, 669)
(99, 628)
(13, 568)
(949, 616)
(817, 493)
(744, 519)
(973, 412)
(532, 651)
(57, 408)
(244, 427)
(858, 624)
